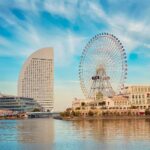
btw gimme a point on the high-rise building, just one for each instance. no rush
(36, 78)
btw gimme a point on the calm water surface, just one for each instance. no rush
(49, 134)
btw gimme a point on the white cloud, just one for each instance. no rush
(132, 32)
(66, 9)
(65, 43)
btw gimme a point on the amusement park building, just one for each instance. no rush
(82, 104)
(36, 78)
(121, 102)
(139, 96)
(134, 97)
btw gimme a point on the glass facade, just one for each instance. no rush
(20, 104)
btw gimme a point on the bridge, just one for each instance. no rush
(42, 114)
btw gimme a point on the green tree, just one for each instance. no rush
(90, 113)
(147, 112)
(36, 110)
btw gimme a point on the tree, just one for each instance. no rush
(82, 104)
(36, 110)
(77, 114)
(90, 113)
(65, 114)
(78, 108)
(147, 112)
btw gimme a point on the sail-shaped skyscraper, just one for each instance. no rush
(36, 78)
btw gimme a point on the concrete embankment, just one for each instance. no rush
(100, 118)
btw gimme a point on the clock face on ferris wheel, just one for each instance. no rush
(106, 51)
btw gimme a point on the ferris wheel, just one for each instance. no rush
(103, 66)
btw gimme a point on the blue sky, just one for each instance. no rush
(65, 25)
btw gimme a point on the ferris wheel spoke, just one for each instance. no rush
(106, 51)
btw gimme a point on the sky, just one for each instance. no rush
(67, 25)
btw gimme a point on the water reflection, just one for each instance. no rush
(49, 134)
(27, 131)
(36, 131)
(106, 130)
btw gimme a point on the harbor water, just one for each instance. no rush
(50, 134)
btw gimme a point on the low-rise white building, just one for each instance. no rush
(121, 102)
(79, 104)
(139, 96)
(82, 104)
(134, 97)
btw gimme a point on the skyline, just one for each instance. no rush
(26, 26)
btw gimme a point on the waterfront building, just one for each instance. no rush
(19, 104)
(109, 106)
(88, 104)
(139, 96)
(135, 100)
(36, 78)
(105, 103)
(121, 102)
(5, 111)
(79, 104)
